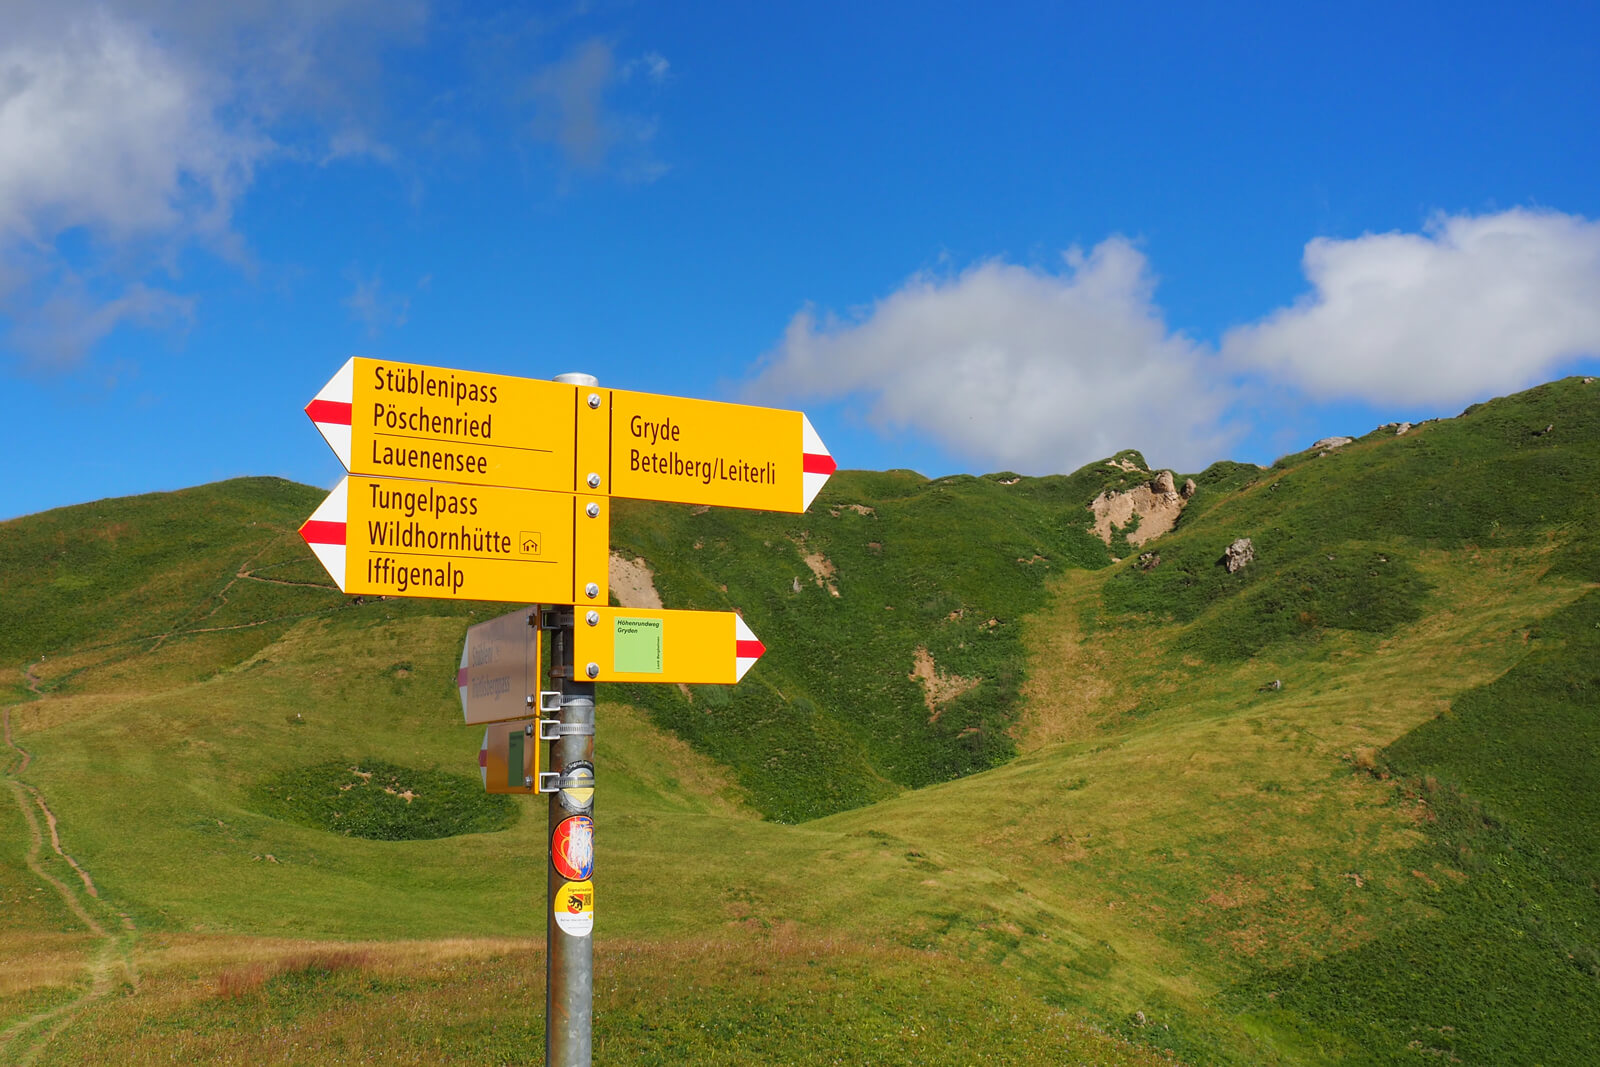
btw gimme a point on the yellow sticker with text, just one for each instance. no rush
(574, 908)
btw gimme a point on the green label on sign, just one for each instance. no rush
(516, 757)
(638, 646)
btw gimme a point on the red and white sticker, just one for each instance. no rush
(572, 848)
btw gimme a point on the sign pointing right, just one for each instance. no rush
(663, 645)
(722, 455)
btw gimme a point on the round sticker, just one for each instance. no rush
(577, 786)
(572, 848)
(574, 908)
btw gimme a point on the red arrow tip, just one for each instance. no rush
(817, 463)
(332, 411)
(322, 532)
(749, 649)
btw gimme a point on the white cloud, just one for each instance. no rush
(101, 128)
(1471, 307)
(1019, 368)
(137, 124)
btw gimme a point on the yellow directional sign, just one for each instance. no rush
(510, 757)
(657, 645)
(403, 420)
(705, 452)
(391, 537)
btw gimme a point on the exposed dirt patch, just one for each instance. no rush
(1157, 505)
(859, 509)
(938, 688)
(823, 570)
(633, 583)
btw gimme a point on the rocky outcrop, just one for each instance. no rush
(1239, 555)
(1328, 444)
(1157, 505)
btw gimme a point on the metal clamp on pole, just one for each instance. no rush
(549, 781)
(549, 702)
(555, 729)
(556, 618)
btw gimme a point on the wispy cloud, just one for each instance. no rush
(574, 112)
(374, 307)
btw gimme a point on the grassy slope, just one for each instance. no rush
(1171, 840)
(153, 736)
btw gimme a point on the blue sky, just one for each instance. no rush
(961, 238)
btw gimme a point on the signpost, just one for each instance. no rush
(472, 486)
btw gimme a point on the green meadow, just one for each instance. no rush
(999, 792)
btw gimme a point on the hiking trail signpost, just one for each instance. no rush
(472, 486)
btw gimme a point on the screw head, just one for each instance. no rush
(594, 400)
(593, 510)
(592, 670)
(527, 781)
(594, 480)
(593, 618)
(591, 590)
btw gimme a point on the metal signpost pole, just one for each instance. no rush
(569, 907)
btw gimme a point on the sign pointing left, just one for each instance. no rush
(404, 420)
(400, 538)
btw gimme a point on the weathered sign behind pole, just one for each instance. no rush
(569, 907)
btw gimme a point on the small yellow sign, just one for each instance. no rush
(661, 645)
(390, 537)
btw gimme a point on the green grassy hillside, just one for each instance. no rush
(988, 789)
